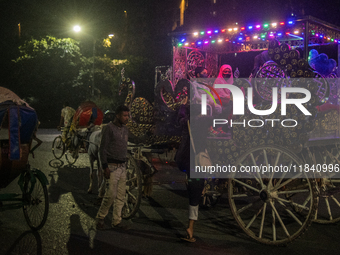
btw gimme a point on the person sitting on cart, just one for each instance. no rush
(66, 120)
(225, 76)
(197, 89)
(259, 61)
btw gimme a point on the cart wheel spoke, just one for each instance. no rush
(279, 218)
(290, 213)
(293, 203)
(328, 208)
(275, 164)
(262, 220)
(273, 226)
(246, 185)
(258, 178)
(248, 206)
(254, 217)
(280, 185)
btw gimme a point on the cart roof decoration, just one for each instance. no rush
(19, 118)
(255, 36)
(85, 112)
(212, 47)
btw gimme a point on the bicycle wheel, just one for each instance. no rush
(36, 204)
(72, 156)
(58, 147)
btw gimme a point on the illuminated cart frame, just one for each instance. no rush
(209, 47)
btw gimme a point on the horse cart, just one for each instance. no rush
(18, 126)
(271, 207)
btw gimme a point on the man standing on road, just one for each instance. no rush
(113, 151)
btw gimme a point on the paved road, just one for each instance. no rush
(156, 229)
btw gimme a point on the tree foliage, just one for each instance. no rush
(51, 71)
(46, 74)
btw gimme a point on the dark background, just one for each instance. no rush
(141, 28)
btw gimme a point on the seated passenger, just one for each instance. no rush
(225, 76)
(197, 90)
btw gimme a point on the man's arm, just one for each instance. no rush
(61, 123)
(103, 148)
(62, 119)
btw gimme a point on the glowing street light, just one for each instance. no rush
(76, 28)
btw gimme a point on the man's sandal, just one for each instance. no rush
(188, 238)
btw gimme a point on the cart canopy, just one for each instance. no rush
(18, 122)
(87, 112)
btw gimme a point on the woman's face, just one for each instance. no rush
(203, 74)
(226, 73)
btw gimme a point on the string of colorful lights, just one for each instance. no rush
(254, 33)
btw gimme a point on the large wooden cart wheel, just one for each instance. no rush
(35, 198)
(328, 187)
(272, 210)
(133, 189)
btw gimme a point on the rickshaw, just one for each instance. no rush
(19, 124)
(87, 112)
(272, 209)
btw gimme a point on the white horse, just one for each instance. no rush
(93, 152)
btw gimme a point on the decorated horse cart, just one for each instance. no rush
(271, 207)
(19, 124)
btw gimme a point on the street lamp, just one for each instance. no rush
(77, 29)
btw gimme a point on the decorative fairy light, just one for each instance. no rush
(246, 34)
